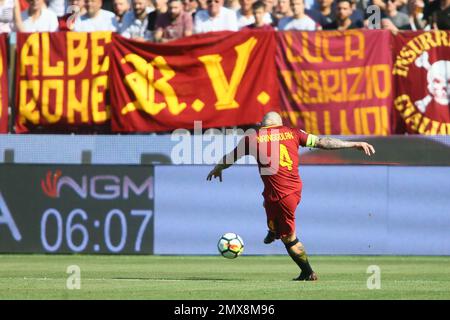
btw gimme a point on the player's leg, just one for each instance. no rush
(270, 237)
(286, 229)
(271, 233)
(297, 252)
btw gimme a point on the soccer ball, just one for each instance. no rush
(230, 245)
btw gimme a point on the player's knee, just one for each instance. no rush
(293, 245)
(289, 238)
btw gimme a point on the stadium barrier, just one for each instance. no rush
(165, 149)
(357, 82)
(368, 210)
(139, 201)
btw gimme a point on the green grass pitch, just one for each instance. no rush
(214, 277)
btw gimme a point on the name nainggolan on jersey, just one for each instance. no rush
(275, 137)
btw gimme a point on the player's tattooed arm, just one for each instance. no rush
(333, 143)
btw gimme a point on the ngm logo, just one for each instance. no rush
(101, 187)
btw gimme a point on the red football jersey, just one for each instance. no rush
(276, 151)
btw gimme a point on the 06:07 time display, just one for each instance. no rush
(74, 229)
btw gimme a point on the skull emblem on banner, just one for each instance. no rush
(438, 78)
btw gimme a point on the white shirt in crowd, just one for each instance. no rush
(103, 21)
(7, 16)
(129, 17)
(303, 24)
(225, 20)
(309, 4)
(47, 21)
(57, 6)
(244, 21)
(134, 28)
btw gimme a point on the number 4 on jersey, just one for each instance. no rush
(285, 159)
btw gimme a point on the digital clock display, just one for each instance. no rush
(76, 209)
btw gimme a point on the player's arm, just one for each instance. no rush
(217, 171)
(329, 143)
(229, 159)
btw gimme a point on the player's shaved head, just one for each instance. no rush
(272, 118)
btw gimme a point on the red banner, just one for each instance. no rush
(3, 85)
(422, 76)
(223, 79)
(61, 81)
(335, 82)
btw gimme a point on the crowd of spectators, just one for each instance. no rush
(166, 20)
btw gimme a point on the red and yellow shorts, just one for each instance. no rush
(281, 215)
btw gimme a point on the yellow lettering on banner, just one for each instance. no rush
(339, 85)
(385, 70)
(331, 88)
(47, 68)
(99, 86)
(317, 46)
(408, 56)
(29, 55)
(292, 115)
(369, 84)
(289, 54)
(58, 87)
(441, 38)
(226, 91)
(287, 76)
(75, 105)
(344, 85)
(321, 46)
(359, 72)
(299, 94)
(366, 114)
(434, 127)
(359, 50)
(404, 58)
(165, 88)
(442, 129)
(27, 109)
(77, 52)
(311, 83)
(423, 125)
(142, 83)
(310, 120)
(426, 41)
(357, 119)
(404, 105)
(385, 121)
(326, 122)
(98, 51)
(362, 118)
(414, 120)
(326, 47)
(437, 128)
(414, 46)
(399, 69)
